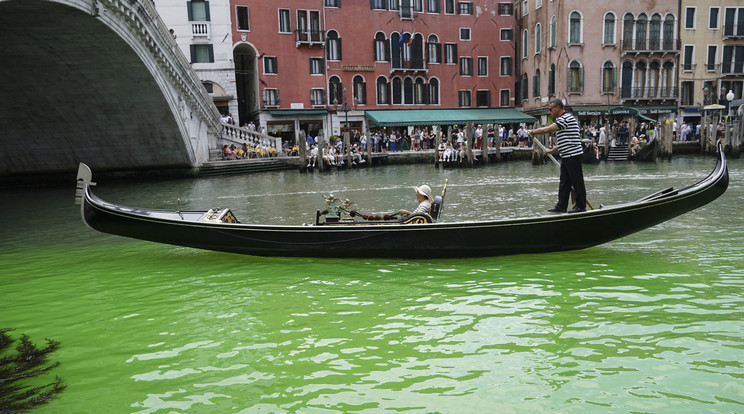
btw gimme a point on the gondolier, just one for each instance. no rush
(570, 150)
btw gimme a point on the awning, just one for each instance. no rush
(292, 112)
(629, 110)
(642, 111)
(412, 117)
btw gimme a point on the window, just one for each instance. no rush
(382, 48)
(271, 97)
(713, 20)
(335, 90)
(308, 25)
(482, 66)
(733, 23)
(688, 88)
(332, 3)
(575, 78)
(551, 80)
(710, 63)
(525, 7)
(538, 34)
(536, 85)
(449, 6)
(654, 32)
(316, 66)
(690, 17)
(609, 29)
(464, 33)
(419, 92)
(538, 4)
(285, 26)
(432, 6)
(418, 6)
(483, 98)
(360, 90)
(397, 91)
(640, 35)
(241, 15)
(574, 34)
(317, 97)
(209, 86)
(202, 54)
(553, 29)
(506, 9)
(668, 31)
(506, 66)
(450, 53)
(653, 79)
(507, 34)
(609, 76)
(733, 59)
(333, 47)
(524, 44)
(466, 66)
(688, 57)
(463, 98)
(434, 91)
(198, 10)
(504, 97)
(433, 50)
(270, 64)
(523, 88)
(464, 7)
(383, 91)
(408, 91)
(378, 4)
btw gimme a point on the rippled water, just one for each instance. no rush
(648, 323)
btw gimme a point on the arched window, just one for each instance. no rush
(575, 77)
(653, 79)
(641, 27)
(538, 34)
(408, 91)
(668, 35)
(639, 80)
(419, 92)
(553, 30)
(333, 46)
(383, 91)
(609, 29)
(536, 84)
(654, 32)
(551, 80)
(628, 25)
(360, 90)
(382, 48)
(524, 44)
(667, 80)
(434, 91)
(397, 91)
(574, 33)
(609, 77)
(335, 90)
(433, 50)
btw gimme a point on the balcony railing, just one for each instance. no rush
(309, 37)
(200, 29)
(407, 65)
(688, 67)
(733, 30)
(649, 93)
(735, 68)
(650, 45)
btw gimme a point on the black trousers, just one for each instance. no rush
(571, 176)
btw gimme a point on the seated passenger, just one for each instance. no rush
(423, 195)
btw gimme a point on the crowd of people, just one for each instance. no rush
(248, 150)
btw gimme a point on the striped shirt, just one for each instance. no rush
(569, 139)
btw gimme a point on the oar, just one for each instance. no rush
(539, 144)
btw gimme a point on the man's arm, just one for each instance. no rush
(546, 130)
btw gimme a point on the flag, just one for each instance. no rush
(400, 40)
(410, 40)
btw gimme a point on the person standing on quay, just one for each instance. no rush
(569, 148)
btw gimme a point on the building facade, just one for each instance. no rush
(598, 60)
(712, 54)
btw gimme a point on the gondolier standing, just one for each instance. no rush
(570, 150)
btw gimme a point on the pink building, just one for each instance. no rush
(311, 65)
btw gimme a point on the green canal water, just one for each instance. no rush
(651, 323)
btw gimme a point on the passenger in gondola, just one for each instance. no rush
(424, 197)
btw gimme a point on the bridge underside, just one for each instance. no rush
(73, 90)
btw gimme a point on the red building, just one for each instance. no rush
(312, 65)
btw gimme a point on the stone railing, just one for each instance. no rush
(231, 134)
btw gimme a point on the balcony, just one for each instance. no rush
(650, 46)
(733, 31)
(200, 29)
(412, 65)
(687, 67)
(649, 93)
(309, 37)
(732, 68)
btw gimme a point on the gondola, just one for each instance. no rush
(650, 152)
(219, 230)
(591, 152)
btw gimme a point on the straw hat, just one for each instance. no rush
(425, 191)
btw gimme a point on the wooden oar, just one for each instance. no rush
(539, 144)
